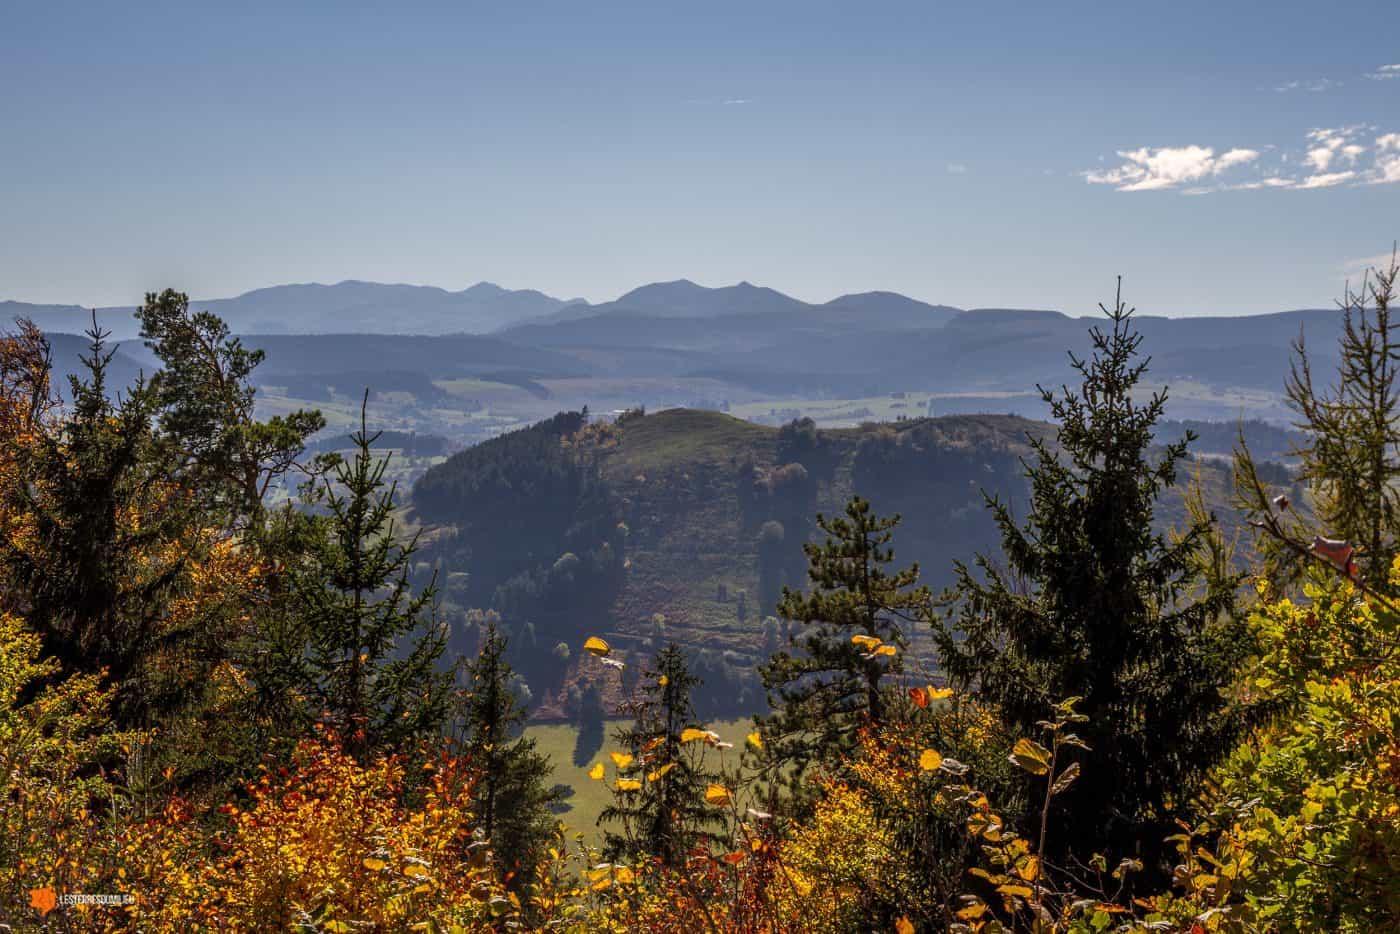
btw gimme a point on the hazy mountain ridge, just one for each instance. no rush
(741, 341)
(351, 306)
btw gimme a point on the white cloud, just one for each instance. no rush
(1331, 156)
(1356, 268)
(957, 168)
(1149, 169)
(1315, 86)
(1325, 180)
(1331, 142)
(1271, 182)
(737, 100)
(1385, 72)
(1387, 159)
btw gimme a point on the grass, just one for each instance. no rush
(684, 437)
(556, 740)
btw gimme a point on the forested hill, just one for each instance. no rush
(687, 524)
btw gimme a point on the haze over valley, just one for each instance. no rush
(469, 365)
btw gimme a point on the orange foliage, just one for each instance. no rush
(327, 843)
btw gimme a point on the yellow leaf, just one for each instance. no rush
(972, 912)
(659, 773)
(865, 642)
(1029, 869)
(1031, 756)
(755, 740)
(414, 870)
(372, 864)
(690, 734)
(939, 693)
(1011, 889)
(885, 650)
(930, 760)
(717, 795)
(628, 784)
(663, 681)
(596, 646)
(336, 927)
(596, 773)
(624, 875)
(904, 925)
(622, 759)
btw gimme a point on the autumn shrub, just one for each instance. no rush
(887, 841)
(1308, 814)
(57, 761)
(323, 844)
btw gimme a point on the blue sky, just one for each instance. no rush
(976, 154)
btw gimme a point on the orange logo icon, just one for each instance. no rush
(43, 899)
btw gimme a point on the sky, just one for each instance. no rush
(1224, 158)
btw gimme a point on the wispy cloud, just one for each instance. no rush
(1385, 73)
(1325, 180)
(957, 168)
(1388, 158)
(737, 101)
(1330, 157)
(1364, 265)
(1315, 86)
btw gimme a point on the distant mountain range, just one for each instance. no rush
(756, 340)
(354, 307)
(346, 307)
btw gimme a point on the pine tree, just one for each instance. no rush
(205, 401)
(855, 622)
(665, 816)
(357, 643)
(513, 802)
(1093, 603)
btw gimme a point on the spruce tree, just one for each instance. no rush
(513, 802)
(107, 545)
(1093, 603)
(855, 621)
(665, 816)
(356, 642)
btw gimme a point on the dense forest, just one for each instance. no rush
(1005, 675)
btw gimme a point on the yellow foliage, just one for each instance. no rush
(329, 839)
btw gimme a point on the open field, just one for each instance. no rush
(556, 740)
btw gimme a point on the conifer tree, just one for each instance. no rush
(659, 808)
(1350, 456)
(205, 400)
(1093, 603)
(854, 633)
(107, 544)
(513, 802)
(357, 643)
